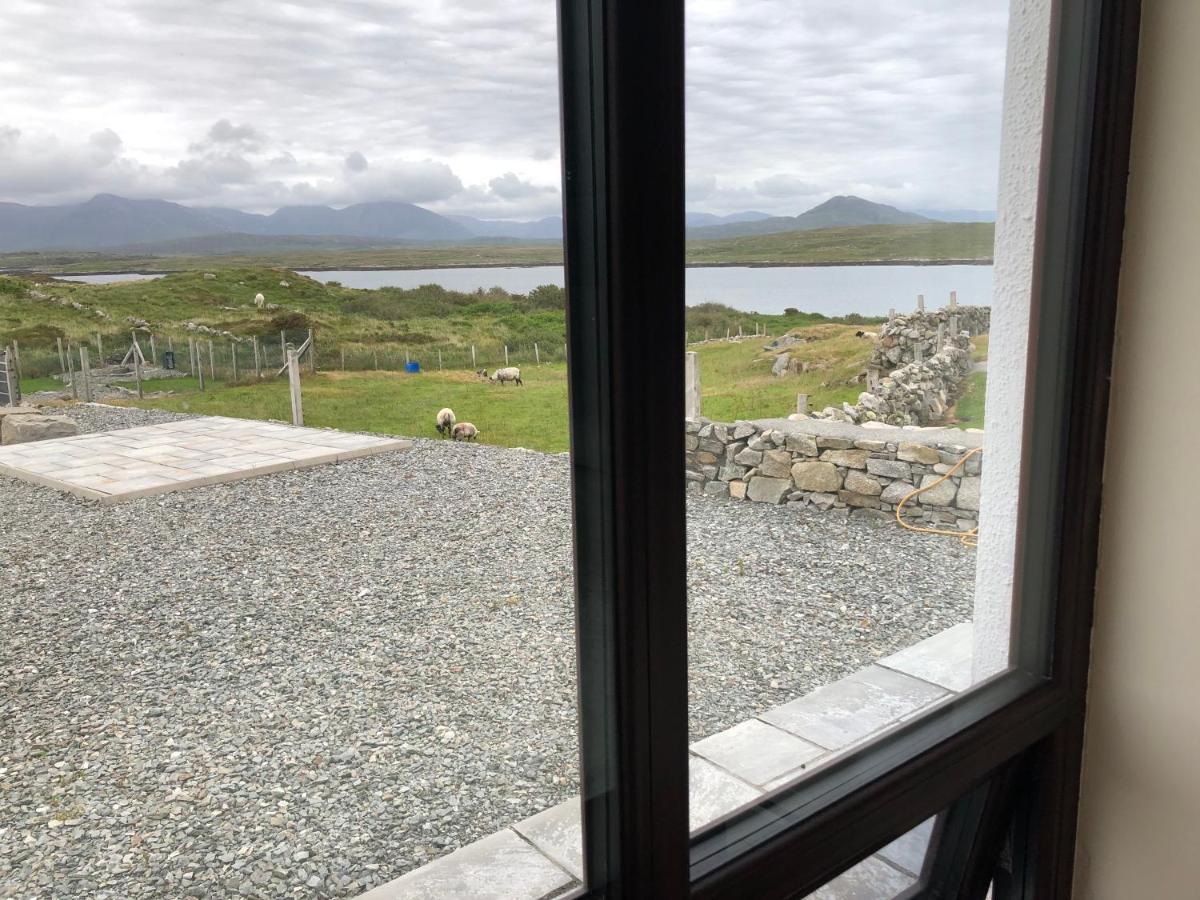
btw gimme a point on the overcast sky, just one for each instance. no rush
(453, 104)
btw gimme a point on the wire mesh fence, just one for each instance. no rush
(222, 360)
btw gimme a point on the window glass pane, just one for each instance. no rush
(862, 193)
(885, 874)
(360, 661)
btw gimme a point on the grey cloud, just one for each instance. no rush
(356, 162)
(784, 185)
(225, 132)
(510, 187)
(901, 99)
(105, 145)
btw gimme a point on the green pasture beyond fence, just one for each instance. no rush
(226, 360)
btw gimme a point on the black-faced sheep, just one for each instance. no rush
(445, 421)
(868, 335)
(509, 373)
(465, 431)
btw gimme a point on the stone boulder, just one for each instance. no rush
(816, 476)
(25, 428)
(768, 490)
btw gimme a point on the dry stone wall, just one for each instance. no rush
(867, 471)
(911, 335)
(915, 394)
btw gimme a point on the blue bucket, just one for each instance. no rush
(412, 367)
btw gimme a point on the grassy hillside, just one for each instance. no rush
(874, 243)
(362, 330)
(371, 328)
(942, 241)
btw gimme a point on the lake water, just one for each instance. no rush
(832, 290)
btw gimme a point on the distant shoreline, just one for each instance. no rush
(541, 265)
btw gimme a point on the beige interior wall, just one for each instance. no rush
(1139, 826)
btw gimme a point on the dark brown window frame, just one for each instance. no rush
(1007, 752)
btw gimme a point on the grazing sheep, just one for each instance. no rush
(465, 431)
(284, 284)
(868, 335)
(510, 373)
(445, 421)
(259, 300)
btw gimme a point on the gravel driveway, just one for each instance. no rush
(305, 684)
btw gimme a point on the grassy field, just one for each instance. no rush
(364, 338)
(735, 377)
(533, 416)
(970, 241)
(969, 409)
(943, 241)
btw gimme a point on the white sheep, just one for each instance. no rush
(445, 421)
(465, 431)
(284, 284)
(509, 373)
(259, 300)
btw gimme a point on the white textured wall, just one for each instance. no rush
(1139, 825)
(1020, 158)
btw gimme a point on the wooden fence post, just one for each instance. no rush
(439, 357)
(71, 369)
(537, 356)
(473, 363)
(99, 349)
(137, 365)
(312, 353)
(506, 354)
(233, 349)
(212, 363)
(85, 372)
(691, 385)
(375, 354)
(257, 359)
(62, 359)
(153, 351)
(343, 353)
(294, 386)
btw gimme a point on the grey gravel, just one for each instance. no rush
(306, 684)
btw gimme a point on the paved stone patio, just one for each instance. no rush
(543, 856)
(113, 466)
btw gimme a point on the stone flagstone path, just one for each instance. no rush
(113, 466)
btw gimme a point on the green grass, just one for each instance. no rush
(969, 409)
(968, 241)
(533, 416)
(735, 377)
(736, 380)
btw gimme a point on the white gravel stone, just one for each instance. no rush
(308, 683)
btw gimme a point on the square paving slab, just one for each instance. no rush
(112, 466)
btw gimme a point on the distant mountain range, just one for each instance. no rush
(836, 212)
(108, 222)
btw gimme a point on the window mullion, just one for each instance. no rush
(622, 95)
